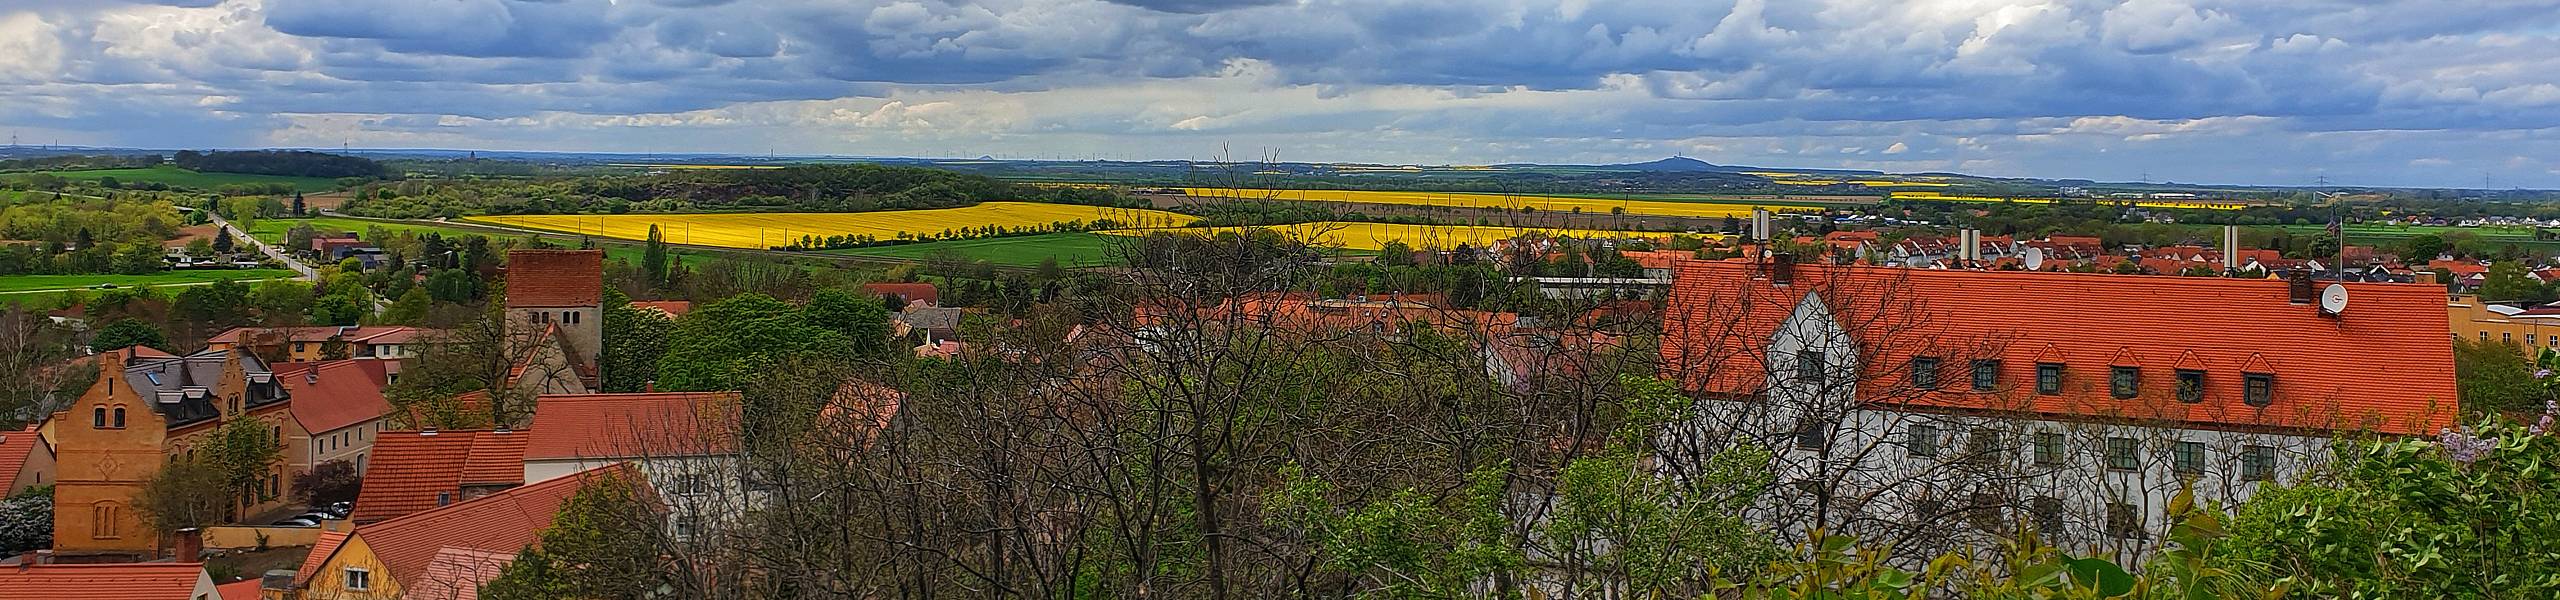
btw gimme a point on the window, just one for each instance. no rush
(1983, 448)
(2484, 336)
(1988, 511)
(2260, 390)
(686, 525)
(2257, 463)
(2048, 515)
(300, 347)
(119, 420)
(2121, 454)
(2507, 336)
(2190, 386)
(104, 522)
(1986, 375)
(1924, 372)
(2122, 521)
(359, 579)
(98, 418)
(2124, 382)
(2048, 448)
(2049, 378)
(1923, 440)
(2187, 457)
(1809, 366)
(444, 498)
(690, 484)
(1812, 435)
(1931, 509)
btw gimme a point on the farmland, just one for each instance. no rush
(1071, 249)
(16, 284)
(182, 178)
(1497, 201)
(2206, 204)
(1372, 236)
(272, 230)
(763, 230)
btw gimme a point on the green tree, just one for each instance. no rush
(2495, 376)
(338, 309)
(26, 520)
(129, 331)
(2507, 281)
(185, 493)
(634, 340)
(653, 259)
(603, 543)
(861, 319)
(2422, 247)
(139, 258)
(410, 308)
(724, 344)
(222, 241)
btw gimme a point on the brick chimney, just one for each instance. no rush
(190, 545)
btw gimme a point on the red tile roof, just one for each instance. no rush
(407, 470)
(555, 278)
(133, 352)
(120, 581)
(673, 308)
(319, 555)
(506, 521)
(458, 573)
(245, 589)
(367, 334)
(912, 292)
(328, 395)
(15, 447)
(572, 426)
(2382, 365)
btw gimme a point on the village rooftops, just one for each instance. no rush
(501, 522)
(366, 334)
(329, 395)
(579, 426)
(555, 278)
(416, 471)
(2199, 351)
(186, 390)
(118, 581)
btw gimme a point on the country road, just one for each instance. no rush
(236, 234)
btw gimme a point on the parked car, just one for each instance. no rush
(341, 508)
(297, 522)
(315, 516)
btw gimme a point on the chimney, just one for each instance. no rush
(2230, 248)
(1782, 269)
(2299, 283)
(190, 545)
(1759, 224)
(1969, 246)
(2424, 276)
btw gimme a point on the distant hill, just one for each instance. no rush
(1676, 164)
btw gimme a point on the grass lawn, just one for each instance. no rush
(176, 177)
(1071, 249)
(15, 284)
(272, 230)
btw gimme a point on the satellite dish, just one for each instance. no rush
(2333, 300)
(2035, 259)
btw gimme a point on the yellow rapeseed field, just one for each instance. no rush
(1600, 206)
(1371, 236)
(762, 230)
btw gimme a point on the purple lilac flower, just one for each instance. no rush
(2462, 447)
(2542, 374)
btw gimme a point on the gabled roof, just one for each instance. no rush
(506, 521)
(329, 395)
(15, 447)
(457, 574)
(245, 589)
(407, 470)
(183, 390)
(555, 278)
(912, 292)
(575, 426)
(319, 555)
(2382, 365)
(118, 581)
(366, 334)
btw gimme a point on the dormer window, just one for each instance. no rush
(1809, 366)
(2190, 386)
(2258, 389)
(2049, 378)
(1986, 375)
(2124, 382)
(1924, 372)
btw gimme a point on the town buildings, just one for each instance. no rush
(340, 403)
(557, 295)
(141, 414)
(685, 442)
(26, 461)
(1899, 400)
(384, 342)
(442, 553)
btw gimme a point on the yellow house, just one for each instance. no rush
(2482, 321)
(443, 553)
(144, 412)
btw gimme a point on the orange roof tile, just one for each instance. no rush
(673, 308)
(555, 278)
(120, 581)
(368, 334)
(245, 589)
(912, 292)
(408, 470)
(15, 447)
(319, 555)
(2382, 365)
(571, 426)
(328, 395)
(506, 521)
(458, 573)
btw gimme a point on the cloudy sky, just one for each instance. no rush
(2399, 92)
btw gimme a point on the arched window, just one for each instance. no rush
(98, 418)
(119, 417)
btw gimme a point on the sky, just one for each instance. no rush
(2437, 93)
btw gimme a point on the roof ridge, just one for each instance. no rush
(402, 522)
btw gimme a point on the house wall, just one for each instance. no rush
(581, 328)
(37, 471)
(101, 470)
(2472, 320)
(293, 459)
(352, 443)
(330, 581)
(721, 491)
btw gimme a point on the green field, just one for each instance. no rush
(176, 177)
(1071, 249)
(2368, 233)
(18, 284)
(272, 230)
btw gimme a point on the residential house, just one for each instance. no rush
(559, 294)
(909, 293)
(141, 414)
(340, 403)
(444, 553)
(115, 581)
(930, 324)
(306, 344)
(417, 471)
(2472, 319)
(26, 460)
(2080, 403)
(686, 442)
(668, 308)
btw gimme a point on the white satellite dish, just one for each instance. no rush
(2333, 300)
(2035, 259)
